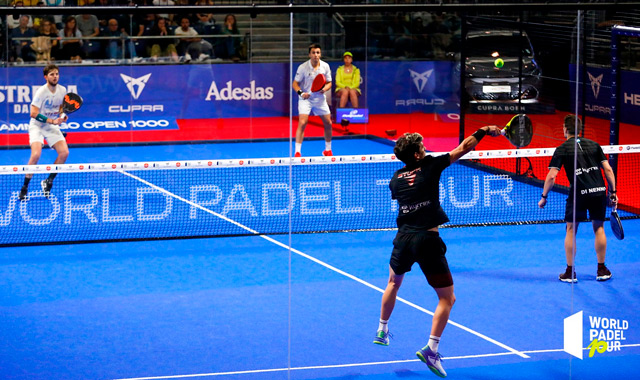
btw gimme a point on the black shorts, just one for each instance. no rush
(597, 207)
(428, 250)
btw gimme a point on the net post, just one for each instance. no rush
(463, 74)
(614, 124)
(614, 128)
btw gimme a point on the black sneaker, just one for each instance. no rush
(23, 193)
(603, 273)
(46, 187)
(569, 275)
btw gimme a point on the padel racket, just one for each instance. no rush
(318, 83)
(71, 103)
(616, 224)
(519, 130)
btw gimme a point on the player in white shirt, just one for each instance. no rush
(46, 109)
(312, 101)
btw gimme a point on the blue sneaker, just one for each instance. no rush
(382, 338)
(432, 360)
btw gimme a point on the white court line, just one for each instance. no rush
(328, 266)
(213, 374)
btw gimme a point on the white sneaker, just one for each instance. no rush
(203, 56)
(187, 57)
(433, 360)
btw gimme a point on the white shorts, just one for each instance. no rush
(316, 103)
(47, 131)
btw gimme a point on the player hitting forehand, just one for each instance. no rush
(416, 188)
(46, 109)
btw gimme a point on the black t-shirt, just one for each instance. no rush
(588, 174)
(417, 190)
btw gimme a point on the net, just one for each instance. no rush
(181, 199)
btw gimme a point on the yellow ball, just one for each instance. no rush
(499, 62)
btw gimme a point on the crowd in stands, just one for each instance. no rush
(429, 35)
(194, 37)
(180, 37)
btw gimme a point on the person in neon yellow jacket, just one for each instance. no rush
(348, 82)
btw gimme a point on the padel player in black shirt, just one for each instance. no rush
(416, 188)
(591, 193)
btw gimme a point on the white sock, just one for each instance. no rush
(298, 147)
(327, 145)
(383, 326)
(434, 341)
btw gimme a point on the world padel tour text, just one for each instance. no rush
(606, 334)
(241, 200)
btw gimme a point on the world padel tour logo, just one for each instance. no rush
(605, 334)
(135, 85)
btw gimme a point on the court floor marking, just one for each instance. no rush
(249, 372)
(328, 266)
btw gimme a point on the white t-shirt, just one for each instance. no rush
(306, 74)
(189, 33)
(49, 103)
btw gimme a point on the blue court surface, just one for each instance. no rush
(306, 306)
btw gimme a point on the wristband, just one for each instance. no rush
(612, 192)
(479, 134)
(42, 118)
(300, 92)
(544, 196)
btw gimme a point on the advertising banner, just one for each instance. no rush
(115, 201)
(159, 98)
(597, 93)
(353, 115)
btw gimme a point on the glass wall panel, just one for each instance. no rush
(605, 73)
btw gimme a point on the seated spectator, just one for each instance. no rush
(348, 82)
(105, 16)
(419, 40)
(58, 18)
(190, 44)
(205, 23)
(71, 41)
(89, 26)
(141, 26)
(46, 42)
(119, 39)
(22, 48)
(13, 21)
(37, 20)
(441, 36)
(231, 46)
(399, 36)
(162, 47)
(204, 20)
(167, 16)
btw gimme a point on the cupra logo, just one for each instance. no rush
(420, 79)
(135, 85)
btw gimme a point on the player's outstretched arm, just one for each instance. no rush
(470, 142)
